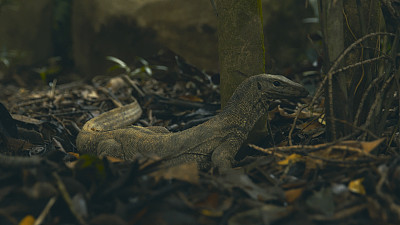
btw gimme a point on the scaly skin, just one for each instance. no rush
(213, 143)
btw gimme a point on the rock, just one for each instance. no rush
(25, 31)
(128, 28)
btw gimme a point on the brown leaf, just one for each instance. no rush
(293, 194)
(26, 119)
(369, 146)
(187, 172)
(191, 98)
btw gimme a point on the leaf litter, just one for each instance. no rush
(44, 180)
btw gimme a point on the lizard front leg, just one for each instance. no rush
(110, 147)
(223, 156)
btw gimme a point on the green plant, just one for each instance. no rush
(144, 71)
(52, 68)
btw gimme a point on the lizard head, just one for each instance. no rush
(278, 87)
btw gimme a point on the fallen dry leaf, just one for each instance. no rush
(356, 186)
(290, 159)
(293, 194)
(27, 220)
(186, 172)
(369, 146)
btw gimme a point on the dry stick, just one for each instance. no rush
(305, 150)
(360, 63)
(370, 86)
(53, 89)
(133, 84)
(113, 98)
(7, 161)
(45, 211)
(393, 54)
(270, 129)
(392, 57)
(356, 127)
(67, 199)
(340, 215)
(364, 97)
(377, 100)
(346, 51)
(354, 44)
(398, 122)
(330, 95)
(331, 71)
(383, 172)
(294, 124)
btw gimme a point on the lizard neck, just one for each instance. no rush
(243, 110)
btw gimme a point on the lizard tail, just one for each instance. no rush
(115, 118)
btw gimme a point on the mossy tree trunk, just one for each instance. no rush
(240, 45)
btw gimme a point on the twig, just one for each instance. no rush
(357, 127)
(330, 95)
(354, 44)
(294, 123)
(377, 100)
(270, 129)
(398, 111)
(332, 71)
(67, 199)
(359, 64)
(383, 172)
(306, 149)
(133, 84)
(340, 58)
(364, 97)
(26, 162)
(45, 211)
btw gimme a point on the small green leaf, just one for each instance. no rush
(160, 68)
(5, 61)
(119, 63)
(148, 70)
(143, 61)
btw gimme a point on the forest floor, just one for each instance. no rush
(302, 180)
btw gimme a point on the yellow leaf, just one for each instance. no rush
(27, 220)
(211, 213)
(356, 186)
(290, 159)
(76, 155)
(322, 119)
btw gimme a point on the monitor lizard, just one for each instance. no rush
(212, 143)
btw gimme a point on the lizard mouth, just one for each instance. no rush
(301, 94)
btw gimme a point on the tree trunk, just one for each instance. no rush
(241, 48)
(240, 43)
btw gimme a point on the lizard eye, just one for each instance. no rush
(276, 83)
